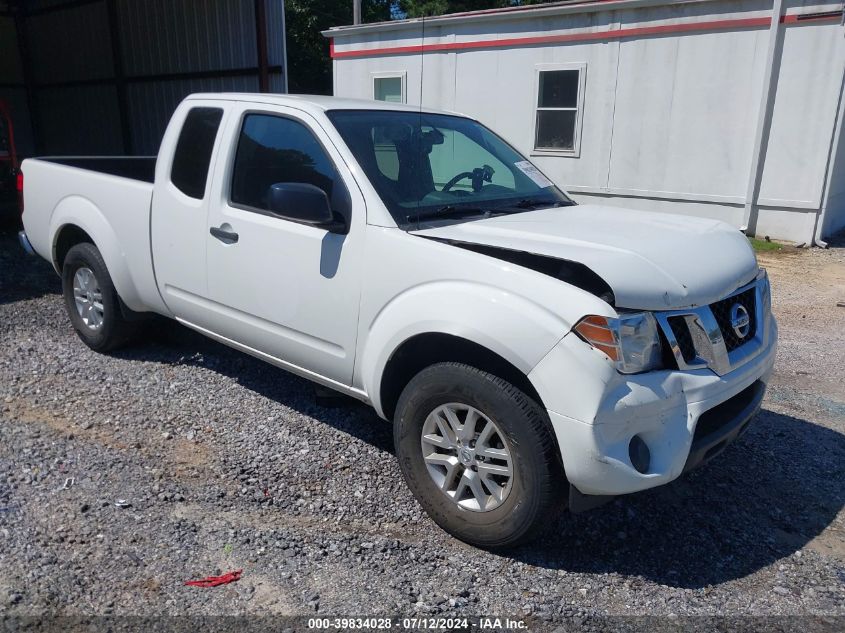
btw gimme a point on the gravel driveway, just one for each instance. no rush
(227, 463)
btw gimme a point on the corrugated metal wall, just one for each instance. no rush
(190, 36)
(85, 100)
(70, 44)
(66, 46)
(152, 103)
(276, 43)
(12, 89)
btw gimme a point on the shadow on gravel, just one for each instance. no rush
(763, 499)
(23, 277)
(173, 344)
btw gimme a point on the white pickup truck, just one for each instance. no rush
(530, 352)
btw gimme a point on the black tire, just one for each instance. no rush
(114, 331)
(539, 483)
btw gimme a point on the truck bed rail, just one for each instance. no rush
(133, 167)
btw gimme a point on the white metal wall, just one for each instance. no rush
(669, 119)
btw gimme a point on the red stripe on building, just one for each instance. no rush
(639, 31)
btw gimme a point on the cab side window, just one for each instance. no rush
(192, 157)
(274, 149)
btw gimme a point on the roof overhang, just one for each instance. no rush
(507, 13)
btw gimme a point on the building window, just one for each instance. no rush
(389, 87)
(192, 156)
(560, 100)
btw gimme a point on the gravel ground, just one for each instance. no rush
(227, 463)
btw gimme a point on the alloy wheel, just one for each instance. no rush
(467, 456)
(88, 298)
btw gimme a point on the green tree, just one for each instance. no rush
(309, 66)
(424, 8)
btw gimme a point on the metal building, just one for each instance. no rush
(719, 108)
(103, 76)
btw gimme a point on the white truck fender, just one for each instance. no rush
(522, 331)
(81, 212)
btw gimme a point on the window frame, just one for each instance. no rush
(342, 194)
(395, 74)
(575, 152)
(212, 154)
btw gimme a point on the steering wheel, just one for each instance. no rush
(479, 176)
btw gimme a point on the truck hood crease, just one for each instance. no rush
(651, 261)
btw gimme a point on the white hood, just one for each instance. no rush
(651, 261)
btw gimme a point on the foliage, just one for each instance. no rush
(420, 8)
(764, 245)
(309, 66)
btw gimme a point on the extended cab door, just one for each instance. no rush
(280, 286)
(179, 220)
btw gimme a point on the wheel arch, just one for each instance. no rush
(426, 349)
(77, 220)
(461, 320)
(68, 236)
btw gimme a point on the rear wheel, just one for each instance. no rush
(92, 301)
(479, 455)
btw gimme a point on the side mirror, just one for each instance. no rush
(303, 203)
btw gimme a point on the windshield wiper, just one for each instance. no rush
(533, 203)
(448, 212)
(451, 211)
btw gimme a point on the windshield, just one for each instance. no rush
(431, 169)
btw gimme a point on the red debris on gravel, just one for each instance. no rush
(213, 581)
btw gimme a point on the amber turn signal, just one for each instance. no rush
(597, 331)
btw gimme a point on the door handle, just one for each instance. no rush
(224, 233)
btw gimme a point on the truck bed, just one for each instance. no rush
(133, 167)
(109, 199)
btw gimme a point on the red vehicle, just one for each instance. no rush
(10, 187)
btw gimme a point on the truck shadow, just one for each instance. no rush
(23, 277)
(171, 343)
(765, 498)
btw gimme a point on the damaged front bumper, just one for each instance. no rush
(682, 417)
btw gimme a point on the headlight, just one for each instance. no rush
(765, 292)
(631, 340)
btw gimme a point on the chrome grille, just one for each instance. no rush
(682, 334)
(704, 337)
(722, 311)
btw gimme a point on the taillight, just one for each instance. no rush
(19, 187)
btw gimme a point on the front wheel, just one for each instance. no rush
(91, 300)
(479, 455)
